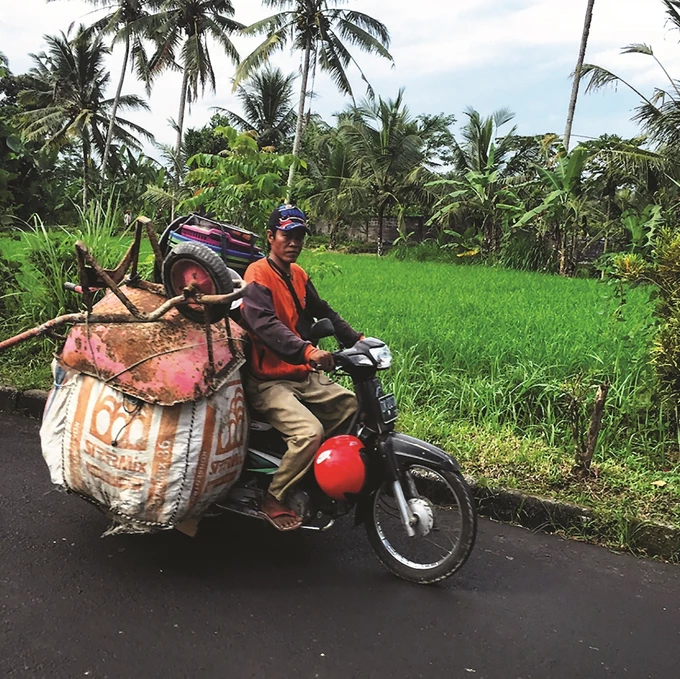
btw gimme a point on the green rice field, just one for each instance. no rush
(503, 347)
(490, 362)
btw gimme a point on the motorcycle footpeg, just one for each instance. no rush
(321, 527)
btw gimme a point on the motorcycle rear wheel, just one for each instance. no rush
(445, 536)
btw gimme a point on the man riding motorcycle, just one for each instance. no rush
(279, 307)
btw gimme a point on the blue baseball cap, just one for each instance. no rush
(287, 218)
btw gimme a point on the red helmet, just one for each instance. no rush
(339, 467)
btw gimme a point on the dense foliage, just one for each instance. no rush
(241, 185)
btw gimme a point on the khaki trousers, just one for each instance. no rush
(305, 413)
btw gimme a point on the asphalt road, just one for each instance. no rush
(240, 600)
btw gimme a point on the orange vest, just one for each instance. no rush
(263, 280)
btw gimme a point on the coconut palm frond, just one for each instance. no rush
(662, 123)
(160, 198)
(638, 48)
(673, 12)
(358, 37)
(599, 78)
(65, 100)
(266, 98)
(373, 27)
(258, 57)
(318, 31)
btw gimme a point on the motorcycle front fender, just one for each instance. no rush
(409, 450)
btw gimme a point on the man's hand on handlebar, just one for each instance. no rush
(322, 359)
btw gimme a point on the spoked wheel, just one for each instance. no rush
(193, 264)
(445, 529)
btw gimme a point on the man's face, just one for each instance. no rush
(286, 245)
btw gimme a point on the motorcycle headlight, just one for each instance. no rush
(382, 356)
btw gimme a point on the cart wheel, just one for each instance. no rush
(193, 263)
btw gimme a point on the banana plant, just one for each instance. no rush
(479, 199)
(563, 208)
(642, 227)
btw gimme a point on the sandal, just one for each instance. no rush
(279, 513)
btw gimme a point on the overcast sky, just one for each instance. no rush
(449, 54)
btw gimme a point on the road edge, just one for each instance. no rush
(508, 506)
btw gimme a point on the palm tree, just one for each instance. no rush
(388, 157)
(337, 197)
(168, 195)
(165, 196)
(480, 140)
(65, 99)
(125, 19)
(182, 27)
(577, 72)
(320, 32)
(659, 115)
(266, 100)
(478, 198)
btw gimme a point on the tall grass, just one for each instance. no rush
(48, 259)
(44, 259)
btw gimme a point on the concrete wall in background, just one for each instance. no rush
(369, 232)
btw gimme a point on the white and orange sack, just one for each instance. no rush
(150, 467)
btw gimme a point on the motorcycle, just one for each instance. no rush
(416, 506)
(414, 502)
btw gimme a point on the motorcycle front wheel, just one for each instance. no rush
(446, 525)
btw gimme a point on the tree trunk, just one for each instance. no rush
(585, 457)
(496, 236)
(574, 254)
(85, 163)
(109, 134)
(577, 72)
(563, 252)
(333, 232)
(381, 215)
(180, 121)
(178, 145)
(487, 235)
(308, 115)
(301, 114)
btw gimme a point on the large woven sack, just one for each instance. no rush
(148, 466)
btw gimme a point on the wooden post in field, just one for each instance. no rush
(584, 456)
